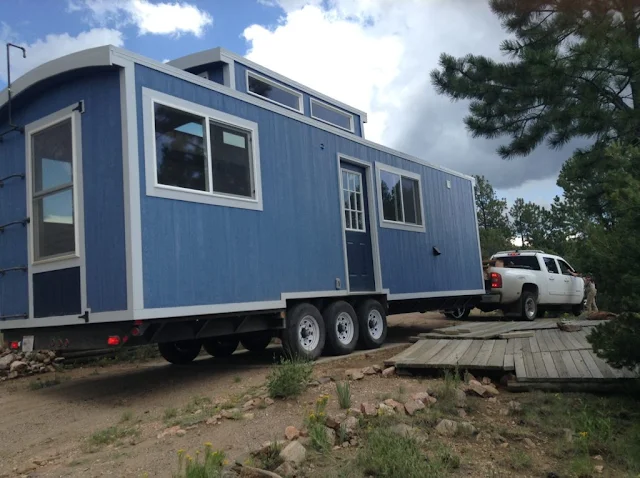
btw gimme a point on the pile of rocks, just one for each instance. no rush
(20, 364)
(486, 389)
(418, 401)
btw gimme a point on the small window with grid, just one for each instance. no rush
(353, 201)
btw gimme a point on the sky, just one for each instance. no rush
(375, 55)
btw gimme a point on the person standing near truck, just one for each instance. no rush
(591, 292)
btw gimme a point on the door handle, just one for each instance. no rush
(567, 280)
(552, 278)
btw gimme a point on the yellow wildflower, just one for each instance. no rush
(583, 434)
(180, 452)
(225, 462)
(208, 444)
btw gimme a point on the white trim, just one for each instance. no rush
(229, 75)
(78, 257)
(373, 225)
(119, 54)
(220, 54)
(96, 318)
(475, 215)
(153, 188)
(279, 86)
(351, 127)
(405, 226)
(431, 295)
(164, 312)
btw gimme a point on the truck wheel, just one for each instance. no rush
(529, 305)
(373, 324)
(458, 314)
(342, 328)
(257, 341)
(578, 309)
(221, 346)
(305, 334)
(179, 353)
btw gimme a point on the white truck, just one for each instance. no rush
(529, 283)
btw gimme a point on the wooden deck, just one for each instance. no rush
(548, 354)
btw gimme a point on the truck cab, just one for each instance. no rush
(529, 283)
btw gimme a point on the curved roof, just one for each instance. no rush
(99, 56)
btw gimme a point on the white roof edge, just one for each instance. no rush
(221, 54)
(98, 56)
(180, 73)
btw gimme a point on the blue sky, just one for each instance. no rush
(374, 55)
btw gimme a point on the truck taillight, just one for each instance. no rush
(113, 340)
(14, 345)
(496, 280)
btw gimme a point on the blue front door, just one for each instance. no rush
(357, 228)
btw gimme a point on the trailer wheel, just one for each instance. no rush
(373, 324)
(221, 346)
(529, 305)
(305, 334)
(179, 353)
(256, 342)
(342, 327)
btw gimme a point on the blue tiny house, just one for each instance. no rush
(210, 200)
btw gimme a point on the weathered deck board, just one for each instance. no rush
(591, 364)
(496, 359)
(484, 353)
(552, 372)
(569, 364)
(533, 344)
(583, 370)
(509, 363)
(541, 370)
(542, 341)
(520, 369)
(559, 364)
(451, 359)
(529, 365)
(470, 354)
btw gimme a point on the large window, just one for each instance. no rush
(198, 154)
(331, 115)
(274, 92)
(400, 198)
(52, 207)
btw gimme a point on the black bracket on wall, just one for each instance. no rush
(24, 222)
(79, 107)
(85, 316)
(2, 180)
(436, 251)
(12, 269)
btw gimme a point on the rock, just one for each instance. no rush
(477, 388)
(51, 368)
(268, 401)
(447, 427)
(294, 452)
(181, 433)
(377, 368)
(567, 435)
(462, 413)
(212, 421)
(397, 406)
(356, 412)
(350, 425)
(369, 371)
(486, 381)
(345, 444)
(407, 431)
(412, 406)
(482, 436)
(492, 400)
(491, 390)
(597, 458)
(460, 398)
(514, 406)
(337, 447)
(466, 428)
(323, 380)
(432, 401)
(568, 327)
(18, 366)
(291, 433)
(598, 468)
(268, 445)
(251, 472)
(169, 432)
(388, 372)
(12, 375)
(58, 360)
(334, 421)
(249, 405)
(384, 409)
(354, 374)
(528, 442)
(5, 361)
(353, 441)
(504, 445)
(368, 409)
(468, 377)
(421, 397)
(499, 438)
(331, 435)
(248, 416)
(230, 413)
(285, 469)
(244, 459)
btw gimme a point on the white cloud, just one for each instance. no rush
(52, 46)
(163, 18)
(377, 55)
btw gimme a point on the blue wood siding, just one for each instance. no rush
(103, 187)
(215, 71)
(241, 85)
(196, 254)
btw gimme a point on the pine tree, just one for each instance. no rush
(493, 222)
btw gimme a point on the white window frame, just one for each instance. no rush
(337, 110)
(155, 189)
(361, 211)
(275, 85)
(405, 226)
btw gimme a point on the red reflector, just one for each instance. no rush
(113, 340)
(15, 345)
(137, 322)
(135, 331)
(496, 280)
(514, 254)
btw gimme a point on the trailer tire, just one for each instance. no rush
(305, 334)
(373, 324)
(221, 346)
(342, 326)
(179, 353)
(257, 341)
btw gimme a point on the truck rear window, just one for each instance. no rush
(520, 262)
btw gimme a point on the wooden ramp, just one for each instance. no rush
(545, 354)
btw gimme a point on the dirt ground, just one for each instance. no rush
(46, 432)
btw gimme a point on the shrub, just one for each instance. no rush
(315, 423)
(388, 455)
(618, 341)
(210, 466)
(343, 390)
(288, 378)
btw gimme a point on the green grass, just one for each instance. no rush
(343, 390)
(208, 466)
(237, 379)
(169, 414)
(196, 403)
(288, 378)
(113, 434)
(270, 458)
(519, 460)
(126, 416)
